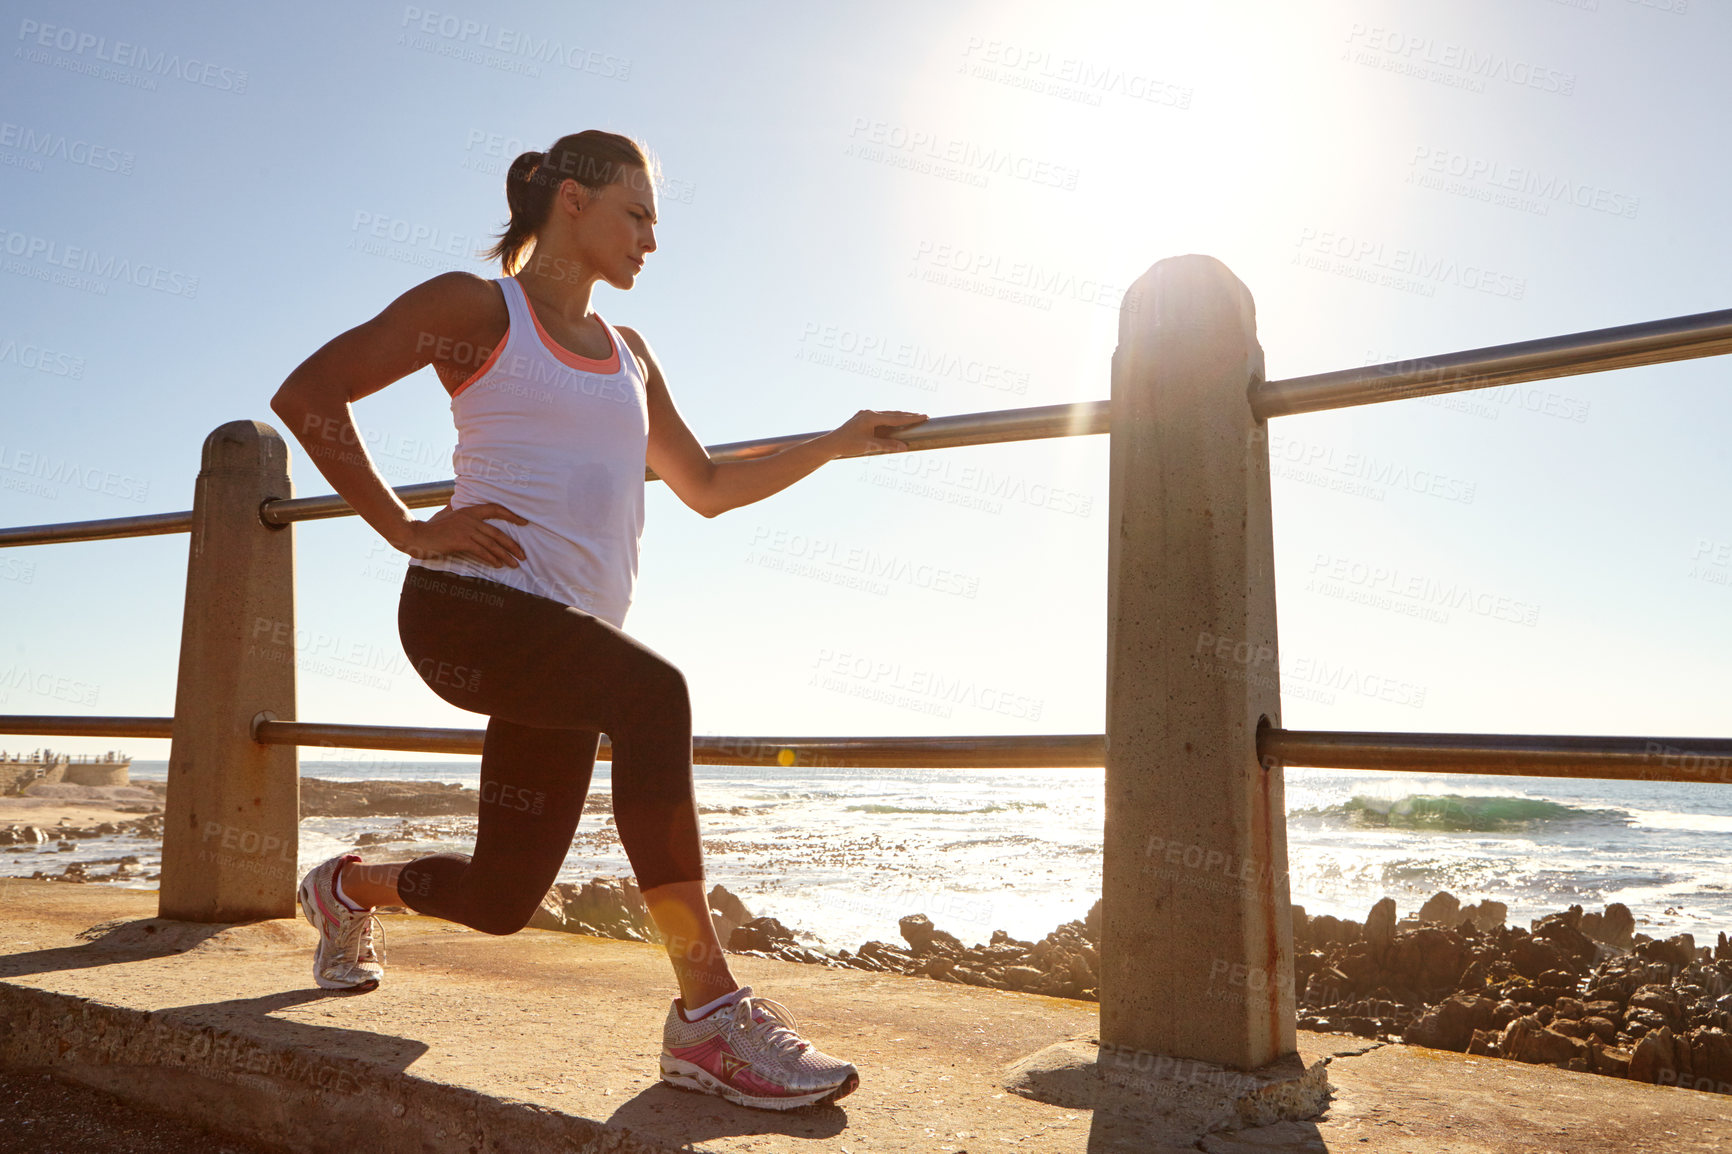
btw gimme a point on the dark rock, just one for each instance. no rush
(888, 956)
(1658, 1000)
(1533, 956)
(1554, 984)
(763, 934)
(1653, 1059)
(729, 906)
(727, 913)
(1443, 909)
(1610, 1060)
(917, 930)
(1486, 915)
(1380, 926)
(1613, 927)
(550, 914)
(1563, 931)
(321, 798)
(1711, 1056)
(1678, 950)
(609, 906)
(1451, 1024)
(1527, 1040)
(1426, 959)
(1326, 930)
(934, 966)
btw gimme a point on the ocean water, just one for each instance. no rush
(840, 854)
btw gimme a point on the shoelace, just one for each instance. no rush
(356, 941)
(777, 1028)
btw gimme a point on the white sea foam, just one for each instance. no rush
(1694, 822)
(843, 854)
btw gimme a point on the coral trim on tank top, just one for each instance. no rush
(609, 364)
(485, 365)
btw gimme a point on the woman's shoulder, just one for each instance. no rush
(457, 304)
(460, 289)
(640, 349)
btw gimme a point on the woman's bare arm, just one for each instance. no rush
(711, 487)
(429, 322)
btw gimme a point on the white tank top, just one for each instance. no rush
(561, 440)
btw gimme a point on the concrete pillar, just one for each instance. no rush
(229, 830)
(1197, 940)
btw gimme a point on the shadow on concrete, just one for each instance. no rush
(1120, 1134)
(118, 942)
(126, 941)
(255, 1015)
(693, 1118)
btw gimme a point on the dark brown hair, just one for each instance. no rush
(595, 159)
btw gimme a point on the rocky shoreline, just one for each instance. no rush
(1576, 989)
(145, 799)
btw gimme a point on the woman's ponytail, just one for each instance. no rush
(594, 159)
(528, 199)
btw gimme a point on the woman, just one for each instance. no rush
(517, 589)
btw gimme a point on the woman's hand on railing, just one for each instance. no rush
(866, 432)
(463, 532)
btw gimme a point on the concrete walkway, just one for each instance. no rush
(548, 1041)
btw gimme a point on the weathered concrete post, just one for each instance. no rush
(229, 829)
(1196, 931)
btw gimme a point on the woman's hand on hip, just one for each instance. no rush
(868, 432)
(465, 532)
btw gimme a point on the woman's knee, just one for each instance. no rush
(503, 918)
(664, 692)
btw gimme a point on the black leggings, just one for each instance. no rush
(551, 679)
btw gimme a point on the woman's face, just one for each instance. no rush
(612, 230)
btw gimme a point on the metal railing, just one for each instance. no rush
(1688, 759)
(1598, 350)
(1189, 371)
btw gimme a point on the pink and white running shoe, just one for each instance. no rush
(747, 1052)
(346, 958)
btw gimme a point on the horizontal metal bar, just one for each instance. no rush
(1628, 758)
(1037, 751)
(286, 509)
(409, 739)
(145, 525)
(53, 726)
(1599, 350)
(1648, 343)
(1700, 759)
(1080, 419)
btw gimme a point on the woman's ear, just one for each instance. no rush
(572, 194)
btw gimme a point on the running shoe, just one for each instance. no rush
(346, 958)
(747, 1052)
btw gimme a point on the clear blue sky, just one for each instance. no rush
(1389, 180)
